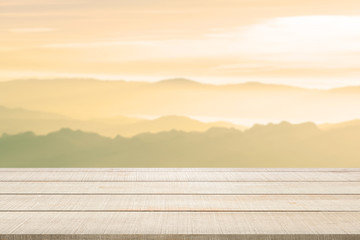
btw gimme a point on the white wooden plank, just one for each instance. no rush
(180, 176)
(179, 223)
(180, 203)
(161, 202)
(180, 169)
(179, 188)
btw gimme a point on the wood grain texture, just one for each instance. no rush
(178, 176)
(178, 203)
(179, 169)
(180, 237)
(179, 223)
(196, 188)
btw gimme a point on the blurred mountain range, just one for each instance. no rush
(89, 99)
(13, 121)
(273, 145)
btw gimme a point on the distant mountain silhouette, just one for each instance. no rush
(274, 145)
(88, 99)
(168, 123)
(13, 121)
(352, 123)
(178, 81)
(257, 86)
(19, 113)
(346, 90)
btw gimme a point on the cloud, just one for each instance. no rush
(31, 30)
(320, 45)
(301, 34)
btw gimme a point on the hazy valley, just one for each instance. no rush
(89, 99)
(13, 121)
(281, 145)
(86, 123)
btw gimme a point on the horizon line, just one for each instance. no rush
(184, 79)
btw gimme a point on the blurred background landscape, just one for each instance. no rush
(156, 83)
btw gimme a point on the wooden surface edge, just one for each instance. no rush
(180, 237)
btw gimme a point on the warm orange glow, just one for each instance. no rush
(290, 42)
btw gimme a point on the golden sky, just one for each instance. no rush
(311, 43)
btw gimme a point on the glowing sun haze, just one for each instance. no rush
(315, 44)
